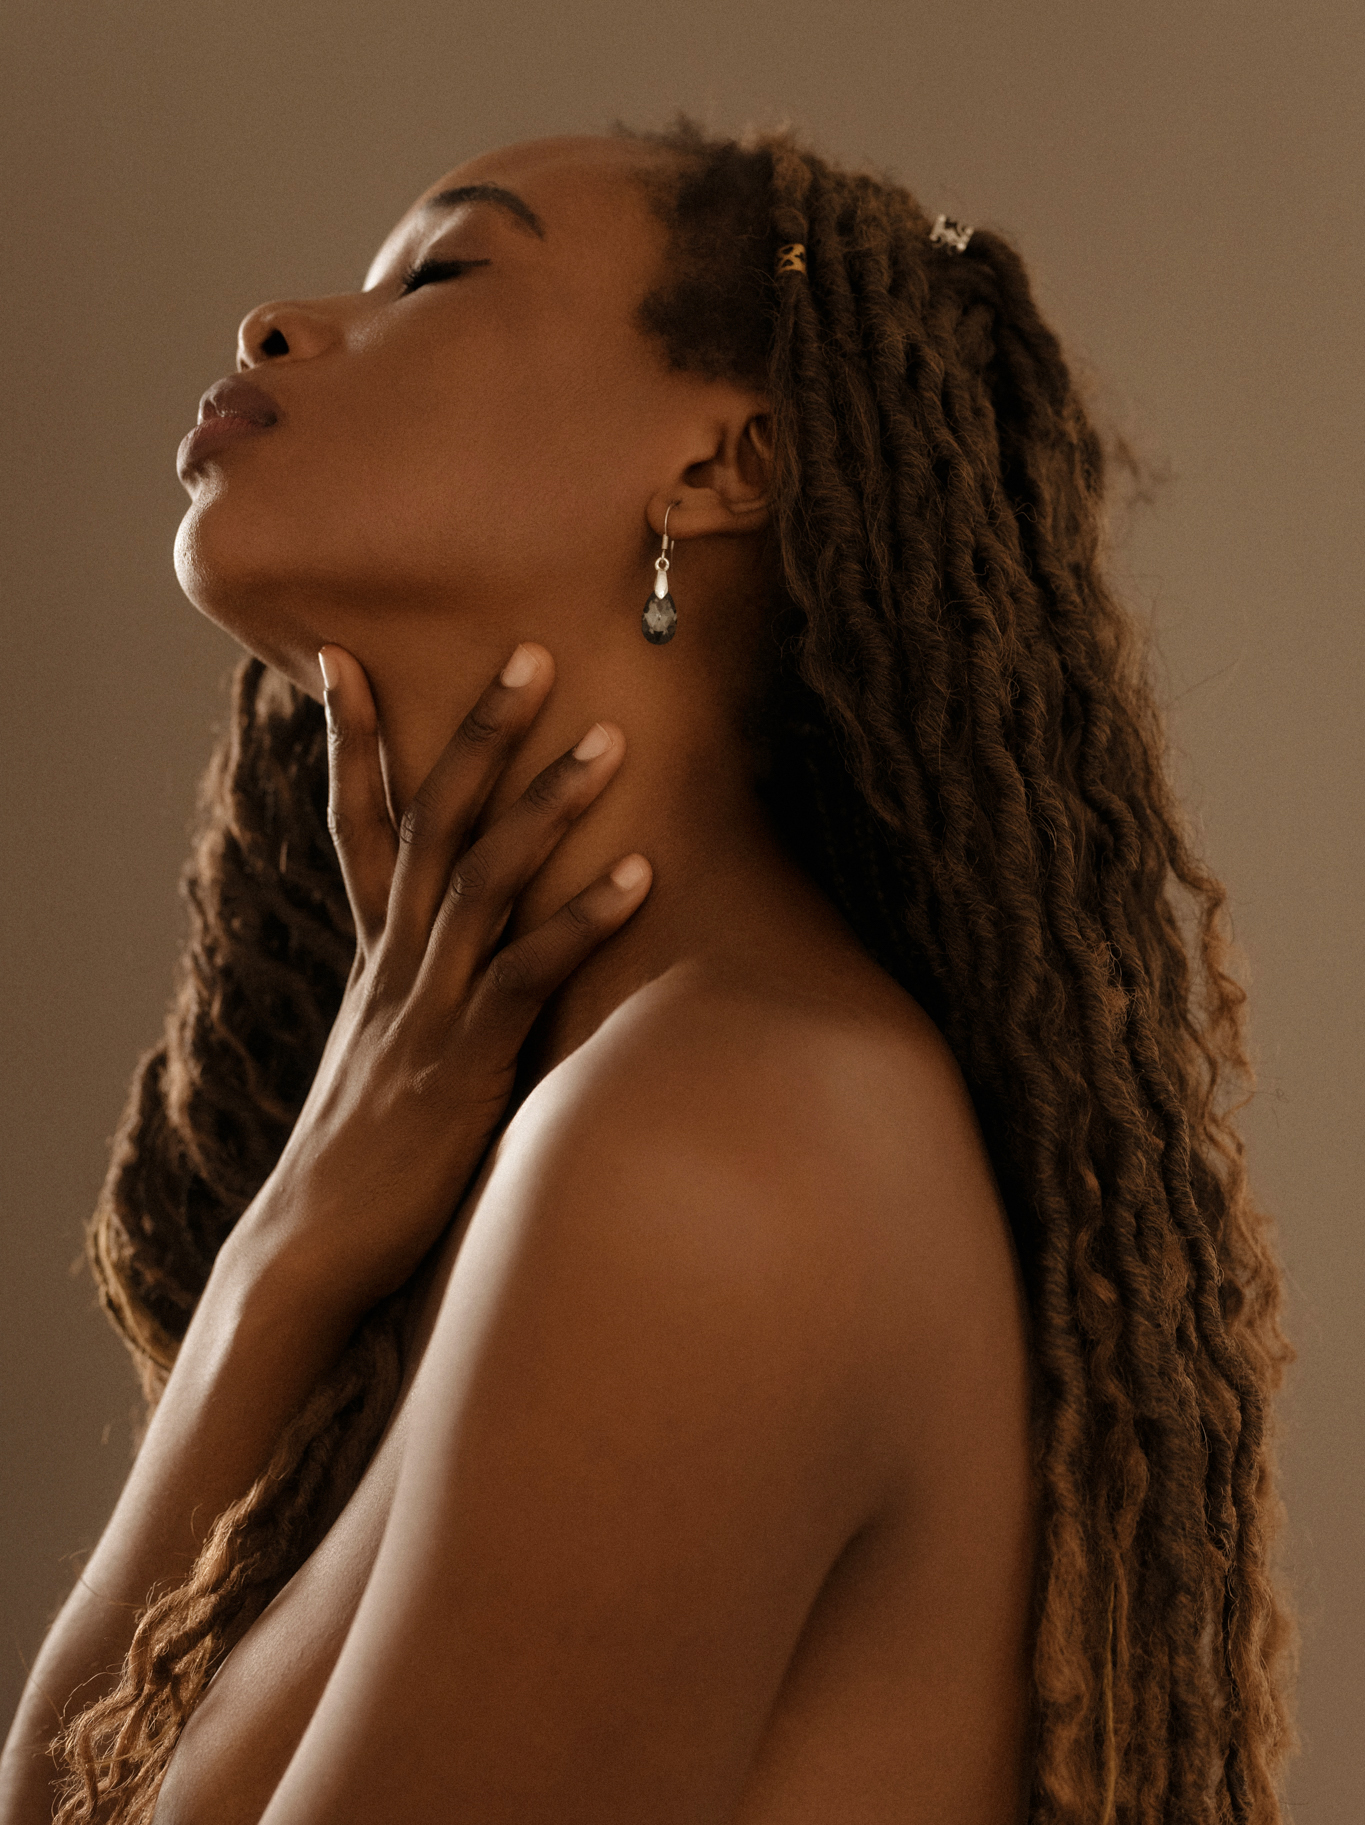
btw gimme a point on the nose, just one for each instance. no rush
(272, 331)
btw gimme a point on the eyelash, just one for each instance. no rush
(429, 272)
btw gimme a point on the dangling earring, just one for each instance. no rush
(660, 620)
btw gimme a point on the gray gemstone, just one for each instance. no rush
(659, 620)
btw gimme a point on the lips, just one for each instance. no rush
(237, 397)
(232, 409)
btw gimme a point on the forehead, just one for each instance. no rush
(586, 193)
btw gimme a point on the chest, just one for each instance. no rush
(910, 1665)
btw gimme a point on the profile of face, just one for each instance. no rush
(482, 439)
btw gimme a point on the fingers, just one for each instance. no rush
(436, 825)
(521, 978)
(357, 808)
(488, 878)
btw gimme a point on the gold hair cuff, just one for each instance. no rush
(792, 257)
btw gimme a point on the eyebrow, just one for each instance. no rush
(489, 193)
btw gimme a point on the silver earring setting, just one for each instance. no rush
(659, 622)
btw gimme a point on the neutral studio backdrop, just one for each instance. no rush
(1184, 178)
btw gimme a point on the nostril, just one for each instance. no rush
(274, 344)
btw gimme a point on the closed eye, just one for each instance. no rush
(429, 272)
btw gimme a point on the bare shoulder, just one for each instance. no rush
(834, 1099)
(806, 1144)
(726, 1308)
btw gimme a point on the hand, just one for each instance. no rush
(422, 1057)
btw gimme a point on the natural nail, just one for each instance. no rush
(630, 872)
(595, 742)
(520, 669)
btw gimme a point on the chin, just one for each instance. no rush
(245, 600)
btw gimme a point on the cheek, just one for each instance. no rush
(418, 466)
(512, 452)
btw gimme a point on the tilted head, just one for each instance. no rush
(485, 434)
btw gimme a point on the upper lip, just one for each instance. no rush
(237, 397)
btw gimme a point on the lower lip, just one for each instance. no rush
(213, 435)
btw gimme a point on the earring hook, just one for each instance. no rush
(667, 510)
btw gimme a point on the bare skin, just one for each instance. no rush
(706, 1496)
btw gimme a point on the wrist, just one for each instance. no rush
(266, 1272)
(292, 1257)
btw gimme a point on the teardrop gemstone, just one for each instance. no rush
(659, 620)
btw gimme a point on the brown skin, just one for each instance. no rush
(490, 460)
(707, 1494)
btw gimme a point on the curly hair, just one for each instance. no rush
(963, 748)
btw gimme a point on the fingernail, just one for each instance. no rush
(629, 873)
(595, 742)
(520, 669)
(329, 671)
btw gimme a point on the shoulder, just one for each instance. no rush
(843, 1105)
(770, 1170)
(651, 1415)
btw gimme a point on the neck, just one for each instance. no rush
(684, 797)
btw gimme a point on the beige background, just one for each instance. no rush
(1185, 180)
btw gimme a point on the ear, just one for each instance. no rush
(725, 490)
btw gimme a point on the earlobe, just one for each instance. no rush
(699, 512)
(749, 514)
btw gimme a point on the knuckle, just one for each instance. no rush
(419, 814)
(382, 988)
(480, 727)
(470, 880)
(424, 1078)
(339, 826)
(513, 974)
(579, 920)
(546, 791)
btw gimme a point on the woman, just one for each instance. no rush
(841, 1389)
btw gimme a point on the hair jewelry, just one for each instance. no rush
(659, 622)
(792, 257)
(950, 234)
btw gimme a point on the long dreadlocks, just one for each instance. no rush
(964, 751)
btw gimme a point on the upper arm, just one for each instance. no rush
(638, 1443)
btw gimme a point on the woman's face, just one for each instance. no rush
(482, 421)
